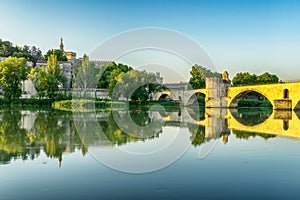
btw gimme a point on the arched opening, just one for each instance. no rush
(285, 93)
(285, 125)
(197, 99)
(164, 97)
(250, 99)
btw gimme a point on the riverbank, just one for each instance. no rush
(106, 104)
(82, 105)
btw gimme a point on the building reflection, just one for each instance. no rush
(25, 134)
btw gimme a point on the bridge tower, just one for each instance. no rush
(217, 92)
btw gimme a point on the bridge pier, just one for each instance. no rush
(217, 93)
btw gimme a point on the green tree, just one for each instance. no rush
(12, 72)
(54, 76)
(29, 53)
(244, 78)
(7, 49)
(107, 74)
(59, 54)
(198, 75)
(85, 76)
(39, 79)
(267, 78)
(135, 85)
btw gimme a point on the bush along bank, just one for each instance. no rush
(253, 103)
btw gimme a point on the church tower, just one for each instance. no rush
(61, 45)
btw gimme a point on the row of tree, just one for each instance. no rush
(120, 80)
(245, 78)
(199, 74)
(13, 71)
(29, 53)
(32, 53)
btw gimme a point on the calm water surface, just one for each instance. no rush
(242, 154)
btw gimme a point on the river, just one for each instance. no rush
(149, 154)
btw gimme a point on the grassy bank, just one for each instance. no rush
(84, 105)
(88, 105)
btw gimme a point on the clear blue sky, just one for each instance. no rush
(254, 36)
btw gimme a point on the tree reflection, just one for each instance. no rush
(25, 136)
(13, 138)
(128, 131)
(198, 134)
(47, 129)
(48, 133)
(246, 135)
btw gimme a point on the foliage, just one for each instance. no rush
(85, 75)
(46, 82)
(108, 73)
(12, 72)
(198, 75)
(253, 103)
(267, 78)
(32, 54)
(245, 78)
(7, 49)
(135, 85)
(54, 76)
(39, 80)
(59, 54)
(29, 53)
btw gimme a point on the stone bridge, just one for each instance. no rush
(220, 94)
(280, 95)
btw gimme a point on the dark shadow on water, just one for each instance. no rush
(251, 116)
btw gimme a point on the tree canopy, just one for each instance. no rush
(245, 78)
(32, 53)
(108, 73)
(12, 72)
(85, 76)
(46, 81)
(135, 85)
(198, 75)
(58, 53)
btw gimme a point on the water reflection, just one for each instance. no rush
(24, 134)
(251, 117)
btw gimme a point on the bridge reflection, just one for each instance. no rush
(280, 123)
(216, 122)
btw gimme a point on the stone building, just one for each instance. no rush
(68, 67)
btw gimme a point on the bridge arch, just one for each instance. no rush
(243, 93)
(164, 97)
(192, 96)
